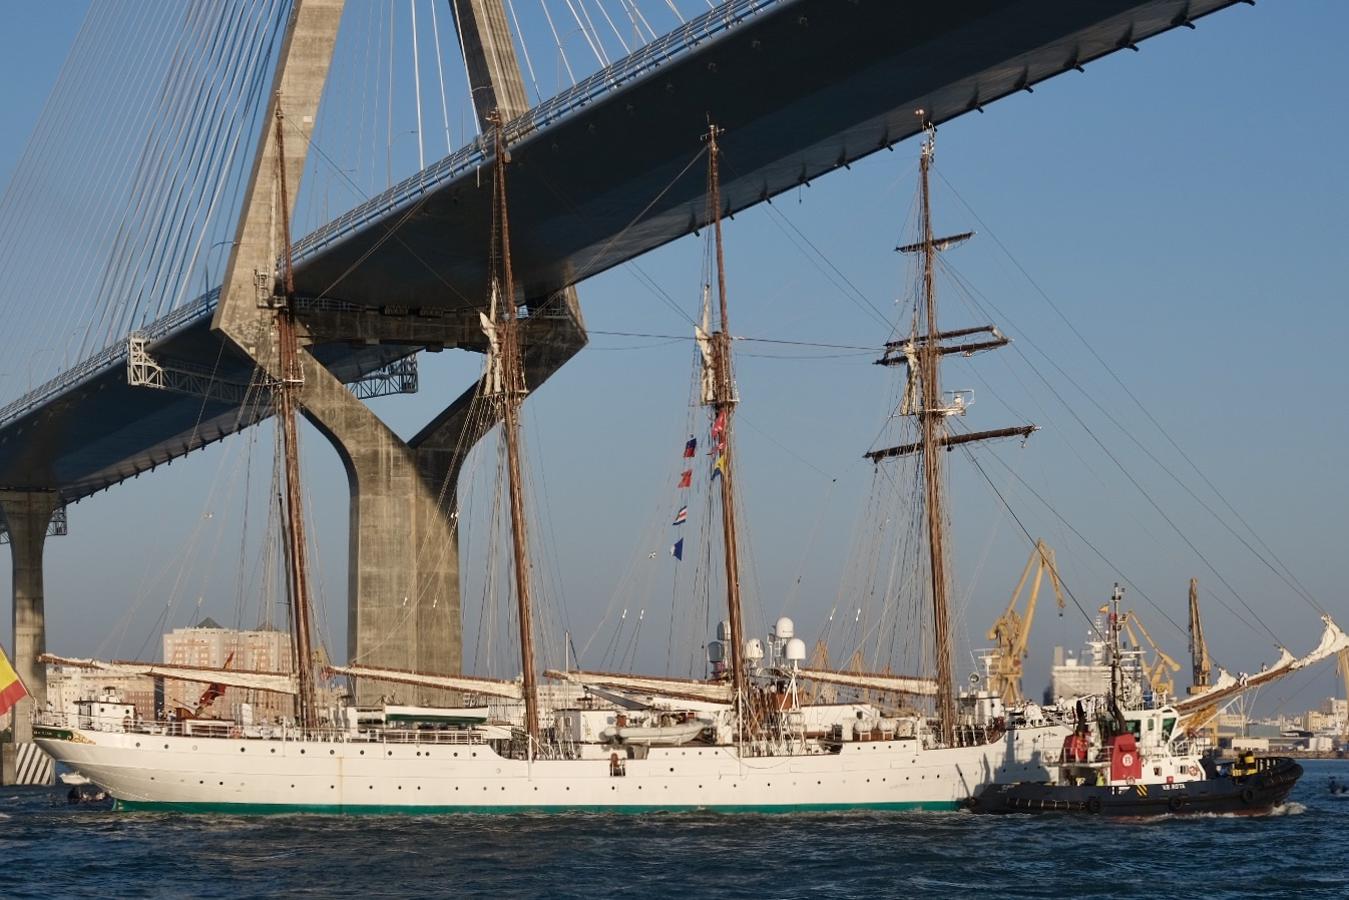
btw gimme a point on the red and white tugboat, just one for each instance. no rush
(1138, 762)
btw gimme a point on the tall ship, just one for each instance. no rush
(766, 731)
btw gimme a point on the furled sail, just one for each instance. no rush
(490, 686)
(712, 691)
(1333, 640)
(872, 681)
(276, 682)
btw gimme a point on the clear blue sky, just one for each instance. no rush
(1183, 206)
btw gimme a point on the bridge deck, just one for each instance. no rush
(802, 87)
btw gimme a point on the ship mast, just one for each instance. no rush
(290, 381)
(932, 422)
(922, 352)
(506, 378)
(722, 402)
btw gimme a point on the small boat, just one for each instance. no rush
(1139, 762)
(665, 731)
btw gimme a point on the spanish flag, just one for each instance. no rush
(11, 688)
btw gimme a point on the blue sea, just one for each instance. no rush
(49, 849)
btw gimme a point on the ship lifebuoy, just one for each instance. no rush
(1174, 804)
(1093, 804)
(1248, 795)
(1194, 771)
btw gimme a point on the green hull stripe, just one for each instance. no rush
(260, 809)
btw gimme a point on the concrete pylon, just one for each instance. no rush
(403, 575)
(28, 515)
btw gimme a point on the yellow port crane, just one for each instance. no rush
(1159, 671)
(1201, 663)
(1012, 630)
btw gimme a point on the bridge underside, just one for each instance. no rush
(831, 82)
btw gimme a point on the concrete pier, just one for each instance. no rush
(27, 515)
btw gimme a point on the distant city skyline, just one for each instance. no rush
(1180, 206)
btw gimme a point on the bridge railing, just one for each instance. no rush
(640, 62)
(109, 356)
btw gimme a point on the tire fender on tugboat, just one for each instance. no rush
(1093, 805)
(1248, 795)
(1174, 803)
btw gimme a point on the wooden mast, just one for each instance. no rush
(291, 378)
(512, 392)
(723, 408)
(932, 422)
(922, 353)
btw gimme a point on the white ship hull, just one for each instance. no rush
(241, 775)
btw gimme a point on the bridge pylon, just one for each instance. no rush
(403, 564)
(28, 516)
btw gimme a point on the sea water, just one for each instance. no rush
(50, 849)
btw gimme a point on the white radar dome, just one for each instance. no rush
(785, 629)
(753, 649)
(723, 630)
(796, 650)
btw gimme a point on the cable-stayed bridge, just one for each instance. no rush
(156, 359)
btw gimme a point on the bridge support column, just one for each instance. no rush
(403, 564)
(28, 515)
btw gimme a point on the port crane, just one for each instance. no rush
(1012, 630)
(1159, 671)
(1201, 662)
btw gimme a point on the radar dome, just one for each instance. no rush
(785, 629)
(796, 650)
(723, 630)
(715, 651)
(753, 649)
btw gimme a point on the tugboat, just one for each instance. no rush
(1136, 762)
